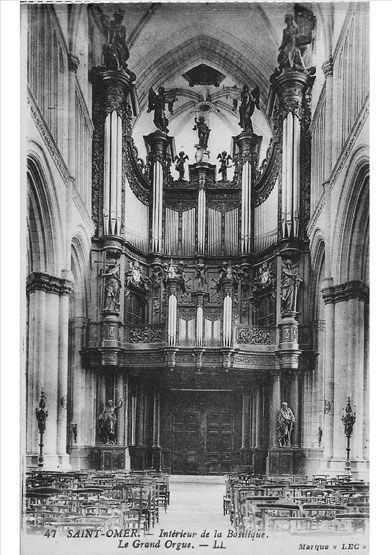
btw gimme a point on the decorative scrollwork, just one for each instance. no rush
(253, 336)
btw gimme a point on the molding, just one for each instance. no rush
(316, 214)
(48, 138)
(39, 281)
(355, 131)
(345, 292)
(320, 105)
(85, 112)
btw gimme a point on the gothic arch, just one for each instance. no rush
(317, 254)
(43, 218)
(351, 237)
(79, 267)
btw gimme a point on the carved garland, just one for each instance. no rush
(253, 336)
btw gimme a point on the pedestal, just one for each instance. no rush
(109, 457)
(285, 460)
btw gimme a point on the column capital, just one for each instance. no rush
(346, 291)
(40, 281)
(291, 86)
(114, 87)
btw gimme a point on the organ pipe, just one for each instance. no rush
(199, 326)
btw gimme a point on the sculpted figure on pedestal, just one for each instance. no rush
(248, 102)
(180, 160)
(112, 288)
(157, 102)
(289, 287)
(224, 162)
(286, 420)
(108, 420)
(116, 52)
(203, 132)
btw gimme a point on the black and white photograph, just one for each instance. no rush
(195, 278)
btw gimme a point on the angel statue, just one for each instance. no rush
(157, 103)
(107, 421)
(248, 102)
(180, 160)
(224, 162)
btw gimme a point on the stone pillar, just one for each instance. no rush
(120, 430)
(294, 401)
(158, 143)
(48, 363)
(79, 386)
(290, 86)
(111, 88)
(140, 417)
(247, 145)
(274, 408)
(258, 418)
(328, 297)
(63, 374)
(245, 428)
(340, 378)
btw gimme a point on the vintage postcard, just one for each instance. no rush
(195, 371)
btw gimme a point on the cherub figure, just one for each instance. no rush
(179, 164)
(224, 162)
(157, 102)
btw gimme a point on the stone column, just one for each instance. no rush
(258, 418)
(158, 143)
(329, 300)
(245, 421)
(140, 417)
(340, 378)
(120, 430)
(247, 145)
(63, 374)
(274, 408)
(294, 400)
(79, 386)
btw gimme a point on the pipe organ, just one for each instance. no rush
(202, 284)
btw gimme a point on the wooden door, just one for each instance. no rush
(203, 437)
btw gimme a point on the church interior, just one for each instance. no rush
(197, 200)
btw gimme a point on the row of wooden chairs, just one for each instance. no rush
(95, 500)
(265, 505)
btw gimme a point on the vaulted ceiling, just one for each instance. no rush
(240, 40)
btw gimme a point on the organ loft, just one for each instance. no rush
(204, 302)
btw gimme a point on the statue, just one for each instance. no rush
(248, 102)
(224, 162)
(107, 422)
(286, 420)
(203, 132)
(290, 55)
(180, 161)
(112, 288)
(157, 103)
(289, 288)
(201, 276)
(116, 52)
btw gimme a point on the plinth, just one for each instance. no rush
(284, 460)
